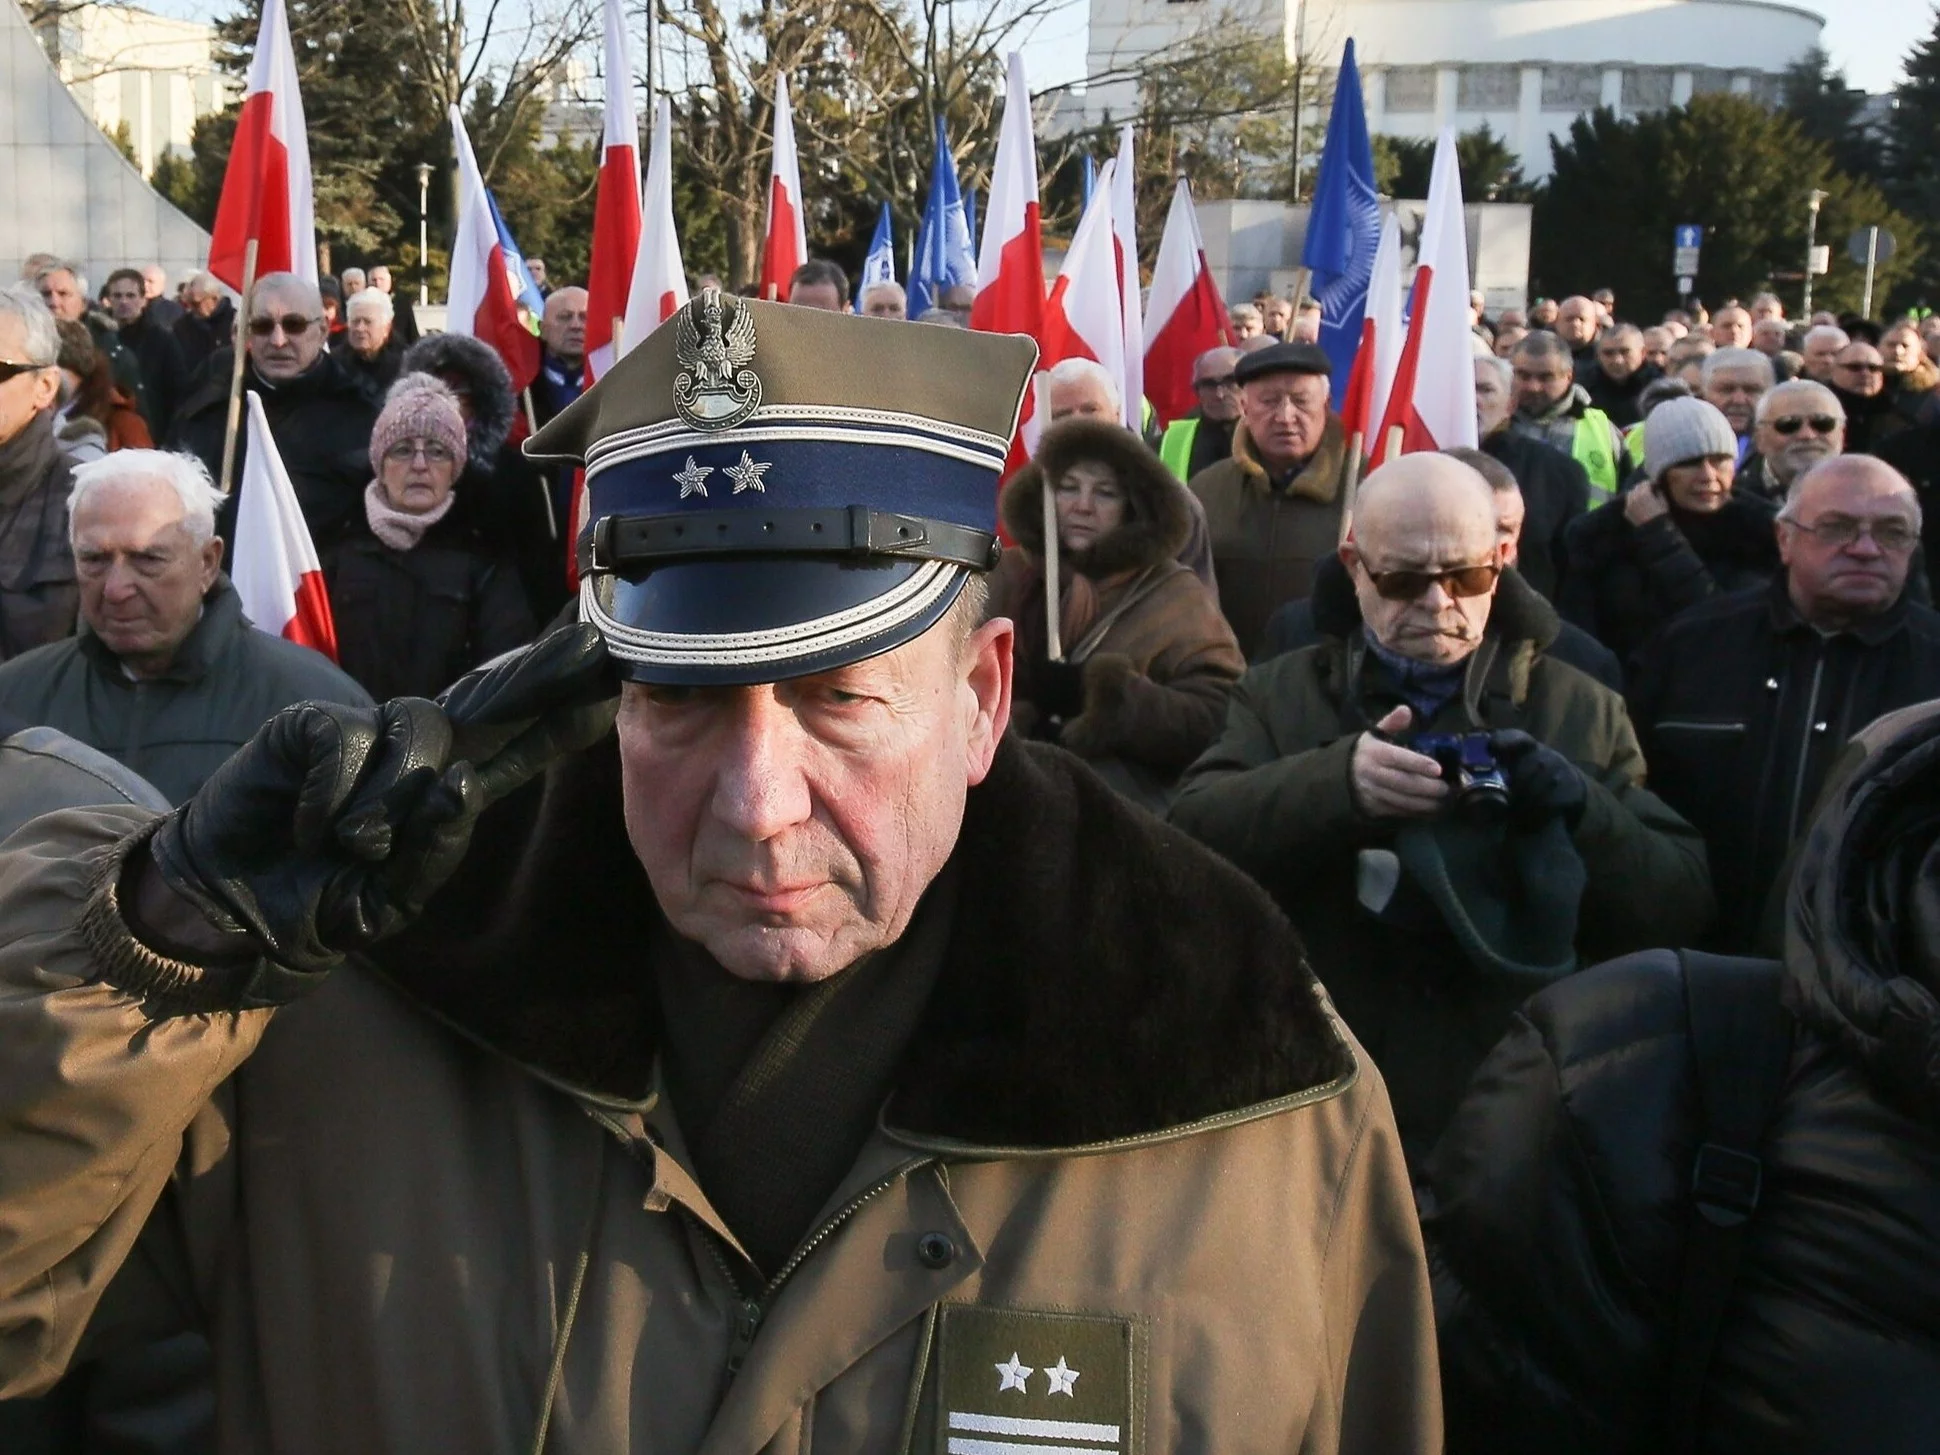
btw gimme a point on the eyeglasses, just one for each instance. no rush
(292, 324)
(1840, 531)
(1791, 424)
(405, 450)
(1224, 381)
(1459, 581)
(13, 369)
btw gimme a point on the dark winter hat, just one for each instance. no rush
(1283, 359)
(418, 407)
(775, 491)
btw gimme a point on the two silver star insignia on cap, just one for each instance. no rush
(746, 475)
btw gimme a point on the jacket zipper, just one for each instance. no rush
(1805, 746)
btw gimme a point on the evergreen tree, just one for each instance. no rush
(1490, 171)
(1913, 153)
(174, 177)
(1830, 112)
(1620, 188)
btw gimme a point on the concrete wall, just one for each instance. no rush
(67, 189)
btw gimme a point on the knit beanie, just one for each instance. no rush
(1681, 430)
(418, 407)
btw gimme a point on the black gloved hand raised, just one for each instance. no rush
(332, 826)
(1542, 782)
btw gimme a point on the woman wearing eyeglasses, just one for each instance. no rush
(418, 598)
(1148, 661)
(1682, 535)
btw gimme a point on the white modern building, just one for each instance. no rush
(1527, 68)
(155, 74)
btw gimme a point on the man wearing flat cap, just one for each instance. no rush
(706, 1029)
(1273, 508)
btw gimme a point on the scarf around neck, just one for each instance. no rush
(399, 529)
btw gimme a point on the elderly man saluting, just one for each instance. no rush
(1450, 815)
(804, 1065)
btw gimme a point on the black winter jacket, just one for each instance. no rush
(1624, 581)
(1555, 491)
(410, 623)
(1554, 1208)
(321, 422)
(1742, 708)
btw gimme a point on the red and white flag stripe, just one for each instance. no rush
(1010, 263)
(659, 279)
(1184, 313)
(1124, 237)
(616, 208)
(275, 569)
(480, 302)
(1372, 378)
(1433, 400)
(266, 185)
(1084, 319)
(786, 246)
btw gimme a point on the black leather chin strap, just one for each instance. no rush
(624, 543)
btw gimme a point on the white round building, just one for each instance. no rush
(1525, 67)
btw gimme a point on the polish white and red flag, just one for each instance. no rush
(1184, 314)
(481, 302)
(1371, 379)
(1010, 263)
(1124, 241)
(616, 206)
(659, 279)
(786, 246)
(266, 185)
(275, 569)
(1084, 316)
(1433, 399)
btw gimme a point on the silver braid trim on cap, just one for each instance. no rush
(873, 618)
(781, 424)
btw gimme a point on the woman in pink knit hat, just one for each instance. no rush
(419, 598)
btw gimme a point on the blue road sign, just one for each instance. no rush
(1690, 235)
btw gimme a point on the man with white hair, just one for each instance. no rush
(368, 349)
(320, 419)
(1799, 423)
(64, 289)
(1821, 346)
(168, 677)
(37, 591)
(885, 299)
(1734, 380)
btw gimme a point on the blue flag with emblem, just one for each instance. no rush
(943, 254)
(523, 288)
(1344, 227)
(879, 263)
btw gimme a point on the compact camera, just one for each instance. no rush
(1479, 788)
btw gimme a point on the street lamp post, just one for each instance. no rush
(424, 204)
(1811, 249)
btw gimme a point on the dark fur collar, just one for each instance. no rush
(1158, 520)
(477, 362)
(1106, 977)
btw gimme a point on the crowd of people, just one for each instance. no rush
(1476, 722)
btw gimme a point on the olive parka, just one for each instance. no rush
(1275, 796)
(438, 1204)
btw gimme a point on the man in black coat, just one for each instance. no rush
(321, 421)
(1555, 490)
(1620, 377)
(1559, 1211)
(1743, 703)
(206, 327)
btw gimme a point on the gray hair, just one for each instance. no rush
(1721, 359)
(1792, 389)
(1541, 344)
(1621, 333)
(1245, 310)
(885, 285)
(1825, 331)
(39, 338)
(1788, 512)
(62, 265)
(187, 476)
(371, 300)
(291, 285)
(1504, 370)
(1072, 371)
(947, 317)
(348, 273)
(205, 285)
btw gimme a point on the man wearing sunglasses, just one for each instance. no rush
(318, 415)
(1744, 702)
(1798, 424)
(38, 593)
(1319, 787)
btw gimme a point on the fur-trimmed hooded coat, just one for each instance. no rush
(1157, 660)
(1133, 1180)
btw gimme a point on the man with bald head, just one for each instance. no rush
(1798, 424)
(1745, 701)
(562, 352)
(318, 416)
(1322, 787)
(1578, 321)
(1204, 437)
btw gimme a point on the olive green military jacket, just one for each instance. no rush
(1136, 1191)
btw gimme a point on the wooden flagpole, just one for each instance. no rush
(545, 488)
(1353, 484)
(1053, 638)
(236, 372)
(1395, 436)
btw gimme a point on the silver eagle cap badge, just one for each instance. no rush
(716, 387)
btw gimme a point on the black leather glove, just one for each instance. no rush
(1542, 782)
(332, 827)
(1060, 689)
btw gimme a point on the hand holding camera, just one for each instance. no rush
(1391, 781)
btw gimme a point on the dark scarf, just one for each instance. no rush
(1427, 687)
(777, 1087)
